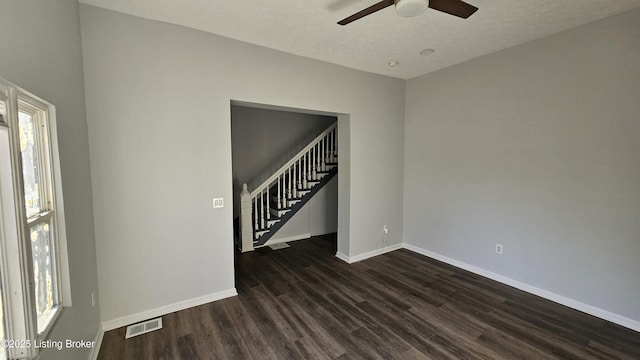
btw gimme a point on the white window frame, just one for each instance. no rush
(17, 271)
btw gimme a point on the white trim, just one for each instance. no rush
(273, 241)
(342, 257)
(574, 304)
(98, 342)
(141, 316)
(370, 254)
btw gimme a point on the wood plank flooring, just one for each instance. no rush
(304, 303)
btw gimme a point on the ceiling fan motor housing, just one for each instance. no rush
(408, 8)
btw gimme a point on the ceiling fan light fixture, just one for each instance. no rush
(409, 8)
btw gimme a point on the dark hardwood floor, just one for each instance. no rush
(304, 303)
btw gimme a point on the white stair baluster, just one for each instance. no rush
(279, 203)
(314, 175)
(290, 181)
(282, 192)
(329, 147)
(316, 148)
(319, 145)
(268, 210)
(255, 211)
(306, 185)
(323, 155)
(333, 144)
(319, 155)
(262, 210)
(329, 142)
(299, 176)
(335, 147)
(304, 172)
(333, 140)
(296, 179)
(325, 145)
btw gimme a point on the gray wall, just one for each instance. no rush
(41, 52)
(535, 147)
(158, 107)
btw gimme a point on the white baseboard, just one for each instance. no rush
(98, 342)
(134, 318)
(287, 239)
(342, 257)
(574, 304)
(370, 254)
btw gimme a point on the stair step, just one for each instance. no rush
(279, 213)
(290, 202)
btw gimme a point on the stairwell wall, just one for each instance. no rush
(158, 106)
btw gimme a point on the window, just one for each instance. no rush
(39, 206)
(3, 352)
(33, 275)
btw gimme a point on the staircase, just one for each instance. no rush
(264, 210)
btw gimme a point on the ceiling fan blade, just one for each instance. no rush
(453, 7)
(370, 10)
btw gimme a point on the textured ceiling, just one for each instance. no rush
(308, 27)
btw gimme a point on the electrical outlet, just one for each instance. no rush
(385, 229)
(93, 299)
(218, 202)
(499, 249)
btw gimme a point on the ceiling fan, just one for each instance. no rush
(407, 8)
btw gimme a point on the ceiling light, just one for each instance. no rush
(426, 52)
(393, 63)
(408, 8)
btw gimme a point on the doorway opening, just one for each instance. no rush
(266, 136)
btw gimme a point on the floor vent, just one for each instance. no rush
(279, 246)
(143, 327)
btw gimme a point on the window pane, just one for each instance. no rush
(3, 107)
(3, 350)
(44, 272)
(30, 164)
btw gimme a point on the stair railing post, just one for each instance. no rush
(246, 222)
